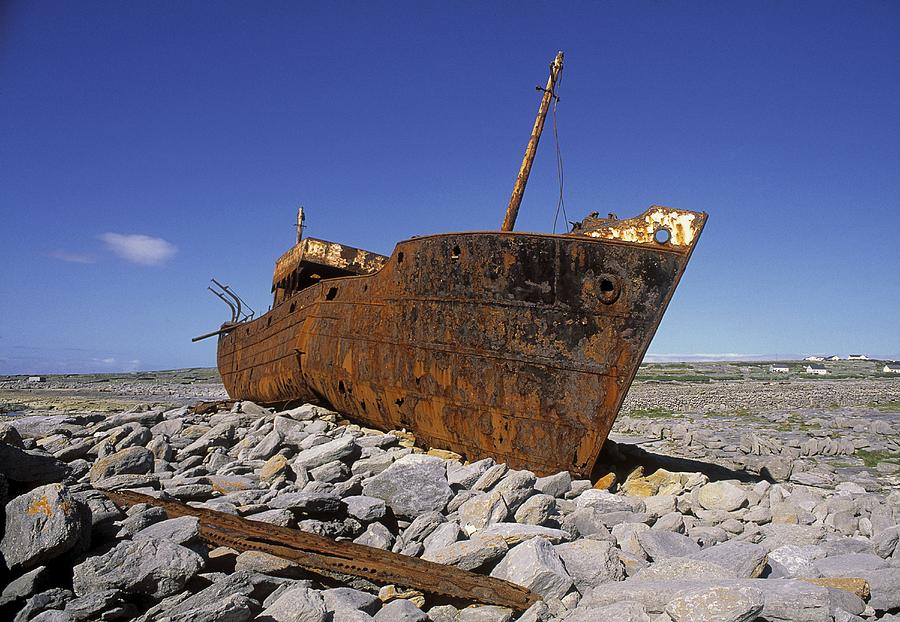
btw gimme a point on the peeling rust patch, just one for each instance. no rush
(681, 227)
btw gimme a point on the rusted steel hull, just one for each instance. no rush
(516, 346)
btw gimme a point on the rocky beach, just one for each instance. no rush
(724, 495)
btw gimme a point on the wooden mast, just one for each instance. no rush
(515, 200)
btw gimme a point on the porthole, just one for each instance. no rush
(662, 236)
(610, 287)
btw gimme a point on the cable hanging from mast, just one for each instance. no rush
(560, 203)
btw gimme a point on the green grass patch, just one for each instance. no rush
(886, 407)
(796, 423)
(674, 377)
(651, 413)
(872, 458)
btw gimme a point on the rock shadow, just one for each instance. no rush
(623, 458)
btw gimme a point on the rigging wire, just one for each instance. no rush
(560, 203)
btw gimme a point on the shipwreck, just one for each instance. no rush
(518, 346)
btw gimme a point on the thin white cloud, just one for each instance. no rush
(140, 249)
(72, 257)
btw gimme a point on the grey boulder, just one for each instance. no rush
(327, 452)
(129, 461)
(156, 568)
(41, 525)
(468, 554)
(296, 605)
(400, 611)
(719, 604)
(744, 559)
(31, 466)
(590, 562)
(178, 530)
(412, 485)
(535, 564)
(661, 544)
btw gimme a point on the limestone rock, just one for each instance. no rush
(31, 466)
(268, 564)
(274, 467)
(25, 585)
(514, 533)
(682, 568)
(129, 461)
(516, 487)
(342, 598)
(484, 613)
(590, 562)
(661, 544)
(744, 559)
(444, 535)
(376, 535)
(318, 455)
(297, 605)
(307, 502)
(556, 485)
(400, 611)
(536, 565)
(482, 510)
(624, 611)
(365, 508)
(536, 510)
(230, 608)
(412, 485)
(719, 604)
(179, 530)
(156, 568)
(42, 525)
(468, 554)
(721, 496)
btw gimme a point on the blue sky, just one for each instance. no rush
(145, 147)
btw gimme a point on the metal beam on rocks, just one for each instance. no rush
(323, 555)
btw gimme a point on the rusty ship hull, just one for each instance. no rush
(516, 346)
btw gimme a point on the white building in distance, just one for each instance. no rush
(779, 368)
(891, 368)
(814, 357)
(857, 357)
(818, 370)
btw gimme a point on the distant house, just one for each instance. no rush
(779, 368)
(36, 379)
(891, 368)
(819, 370)
(833, 357)
(814, 357)
(857, 357)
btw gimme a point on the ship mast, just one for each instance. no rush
(515, 200)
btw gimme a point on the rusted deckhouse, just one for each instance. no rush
(519, 346)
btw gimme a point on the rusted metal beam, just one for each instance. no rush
(319, 554)
(221, 331)
(515, 200)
